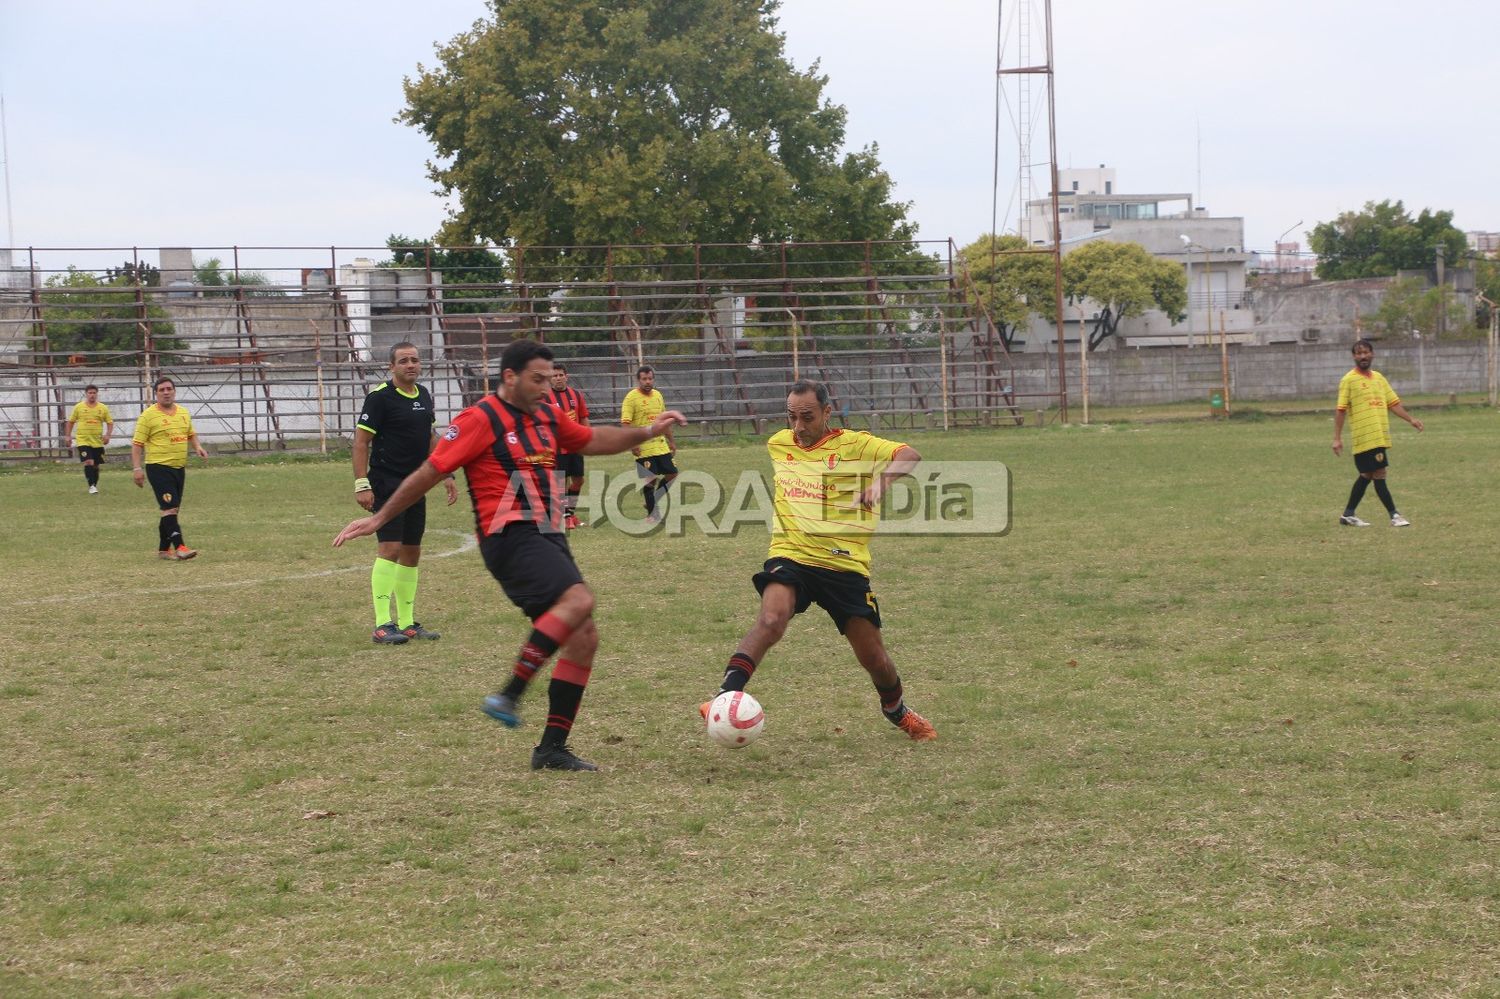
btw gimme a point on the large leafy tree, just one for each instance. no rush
(1124, 280)
(1382, 239)
(575, 123)
(1011, 282)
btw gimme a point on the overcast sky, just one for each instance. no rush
(168, 122)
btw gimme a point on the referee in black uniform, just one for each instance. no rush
(395, 433)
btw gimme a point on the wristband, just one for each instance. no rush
(362, 485)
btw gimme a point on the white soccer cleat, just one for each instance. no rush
(1353, 521)
(93, 489)
(1399, 521)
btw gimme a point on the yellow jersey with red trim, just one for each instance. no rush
(88, 424)
(164, 436)
(1367, 397)
(639, 410)
(818, 517)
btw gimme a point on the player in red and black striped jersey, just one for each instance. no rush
(507, 445)
(570, 401)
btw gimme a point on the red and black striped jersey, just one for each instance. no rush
(509, 459)
(570, 401)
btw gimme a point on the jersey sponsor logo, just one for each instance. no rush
(416, 404)
(451, 434)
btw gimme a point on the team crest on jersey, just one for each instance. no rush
(833, 461)
(510, 438)
(451, 434)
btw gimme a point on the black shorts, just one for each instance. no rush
(570, 464)
(656, 466)
(533, 568)
(1372, 460)
(842, 594)
(167, 483)
(410, 524)
(88, 453)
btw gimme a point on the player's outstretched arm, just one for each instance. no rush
(412, 488)
(613, 440)
(902, 463)
(1400, 411)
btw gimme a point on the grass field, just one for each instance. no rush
(1195, 739)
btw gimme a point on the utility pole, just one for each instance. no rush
(1442, 315)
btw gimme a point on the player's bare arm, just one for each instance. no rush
(902, 463)
(1338, 431)
(137, 472)
(197, 448)
(1400, 411)
(412, 488)
(613, 440)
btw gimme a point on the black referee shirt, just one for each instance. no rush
(402, 425)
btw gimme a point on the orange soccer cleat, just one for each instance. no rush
(919, 728)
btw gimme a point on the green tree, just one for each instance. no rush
(129, 272)
(1124, 280)
(473, 276)
(217, 281)
(576, 123)
(1487, 282)
(1382, 239)
(1011, 284)
(1411, 305)
(102, 319)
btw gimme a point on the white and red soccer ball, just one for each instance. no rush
(735, 719)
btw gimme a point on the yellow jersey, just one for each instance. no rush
(1367, 397)
(638, 410)
(165, 437)
(818, 518)
(88, 424)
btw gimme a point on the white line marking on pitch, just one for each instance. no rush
(468, 545)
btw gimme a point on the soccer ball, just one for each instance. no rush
(735, 719)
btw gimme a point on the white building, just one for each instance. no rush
(1210, 249)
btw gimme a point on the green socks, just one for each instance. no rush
(406, 594)
(382, 585)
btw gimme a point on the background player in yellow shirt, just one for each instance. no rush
(653, 459)
(95, 426)
(1366, 398)
(162, 437)
(828, 488)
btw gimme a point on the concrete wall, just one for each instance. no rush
(1285, 371)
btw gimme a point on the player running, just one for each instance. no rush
(507, 445)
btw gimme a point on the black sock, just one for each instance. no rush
(892, 702)
(571, 506)
(563, 699)
(1356, 494)
(163, 532)
(174, 531)
(91, 474)
(650, 494)
(1385, 496)
(741, 668)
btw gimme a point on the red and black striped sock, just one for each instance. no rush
(564, 695)
(548, 634)
(892, 702)
(741, 669)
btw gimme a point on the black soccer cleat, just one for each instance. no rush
(415, 631)
(557, 758)
(389, 634)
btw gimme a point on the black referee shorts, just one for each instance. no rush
(410, 524)
(843, 595)
(533, 568)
